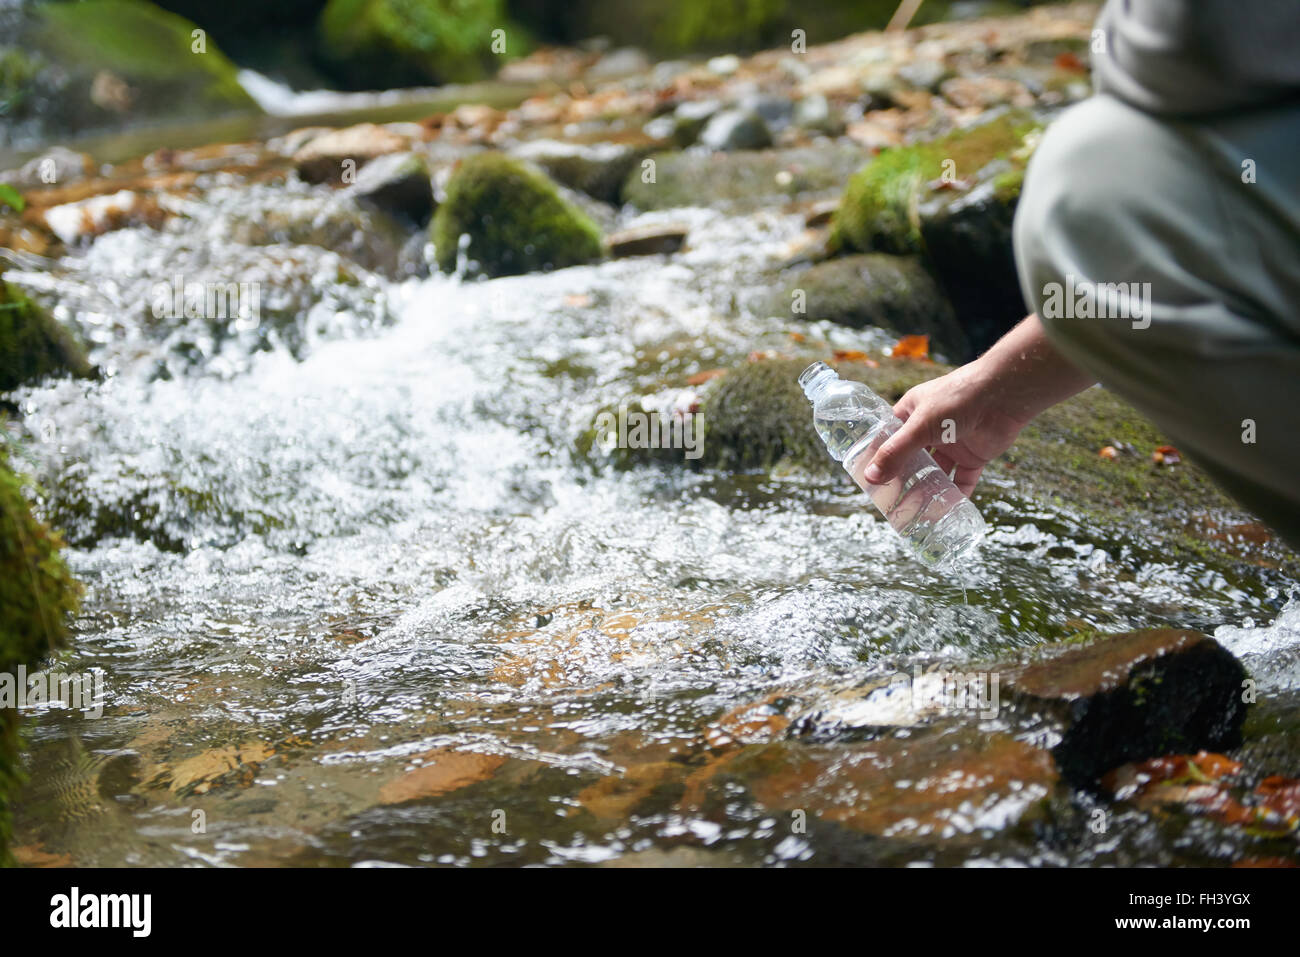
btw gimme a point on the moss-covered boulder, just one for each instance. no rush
(742, 181)
(515, 219)
(951, 200)
(1089, 461)
(895, 293)
(32, 344)
(70, 68)
(378, 44)
(37, 597)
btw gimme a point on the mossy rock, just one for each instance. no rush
(516, 220)
(757, 417)
(741, 181)
(378, 44)
(951, 200)
(37, 597)
(101, 63)
(895, 293)
(32, 344)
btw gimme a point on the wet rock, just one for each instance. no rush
(775, 111)
(597, 169)
(515, 219)
(690, 118)
(957, 786)
(814, 113)
(399, 184)
(895, 293)
(742, 181)
(38, 595)
(55, 167)
(953, 201)
(88, 218)
(1132, 696)
(32, 344)
(647, 240)
(736, 129)
(616, 64)
(924, 74)
(336, 157)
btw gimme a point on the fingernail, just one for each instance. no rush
(873, 474)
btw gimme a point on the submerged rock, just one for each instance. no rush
(895, 293)
(32, 344)
(515, 219)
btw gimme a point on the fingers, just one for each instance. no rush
(914, 434)
(967, 477)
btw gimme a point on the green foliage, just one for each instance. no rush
(17, 72)
(381, 43)
(515, 219)
(879, 211)
(12, 198)
(37, 597)
(32, 344)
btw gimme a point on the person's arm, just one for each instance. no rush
(983, 406)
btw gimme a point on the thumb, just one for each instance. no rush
(914, 434)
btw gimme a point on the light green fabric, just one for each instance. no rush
(1117, 195)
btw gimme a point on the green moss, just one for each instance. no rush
(515, 219)
(383, 43)
(32, 344)
(37, 596)
(880, 209)
(18, 70)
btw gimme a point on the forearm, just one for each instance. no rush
(1024, 374)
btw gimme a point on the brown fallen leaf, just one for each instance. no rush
(700, 378)
(1108, 452)
(912, 347)
(1070, 63)
(854, 355)
(1166, 455)
(34, 855)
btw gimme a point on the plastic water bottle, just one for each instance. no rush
(922, 504)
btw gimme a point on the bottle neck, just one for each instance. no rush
(816, 378)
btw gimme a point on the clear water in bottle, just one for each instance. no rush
(922, 504)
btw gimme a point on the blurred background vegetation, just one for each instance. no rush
(69, 66)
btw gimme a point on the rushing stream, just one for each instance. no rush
(320, 547)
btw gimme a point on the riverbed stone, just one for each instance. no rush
(736, 129)
(335, 157)
(515, 219)
(1131, 696)
(894, 293)
(647, 240)
(742, 181)
(39, 596)
(951, 200)
(400, 184)
(597, 169)
(32, 343)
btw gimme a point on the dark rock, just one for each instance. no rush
(399, 184)
(690, 118)
(736, 129)
(814, 113)
(32, 344)
(895, 293)
(597, 169)
(1137, 695)
(647, 240)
